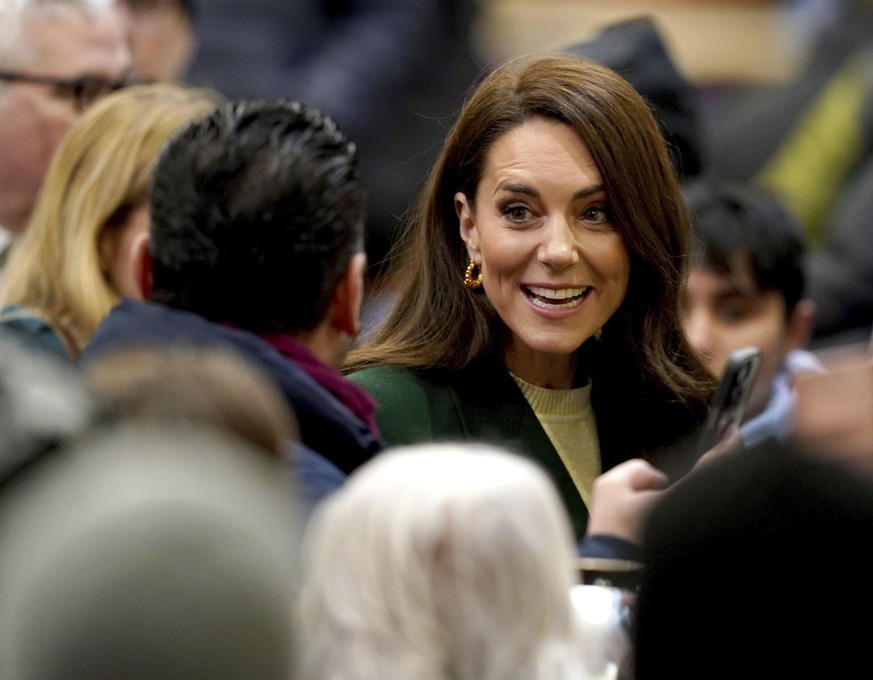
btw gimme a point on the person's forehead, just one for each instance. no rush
(67, 41)
(739, 282)
(739, 276)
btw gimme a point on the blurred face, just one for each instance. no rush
(161, 39)
(117, 250)
(63, 42)
(541, 231)
(724, 313)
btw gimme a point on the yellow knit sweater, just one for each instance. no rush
(568, 419)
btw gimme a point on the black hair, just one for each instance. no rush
(256, 211)
(738, 579)
(636, 50)
(736, 223)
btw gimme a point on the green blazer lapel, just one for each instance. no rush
(490, 404)
(491, 407)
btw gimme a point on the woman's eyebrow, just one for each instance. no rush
(517, 188)
(588, 191)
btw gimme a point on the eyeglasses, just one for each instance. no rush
(84, 90)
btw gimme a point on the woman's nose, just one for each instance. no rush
(559, 248)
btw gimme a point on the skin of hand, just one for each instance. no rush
(730, 442)
(622, 497)
(834, 416)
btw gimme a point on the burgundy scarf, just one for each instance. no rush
(352, 396)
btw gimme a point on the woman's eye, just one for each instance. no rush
(516, 213)
(597, 214)
(735, 311)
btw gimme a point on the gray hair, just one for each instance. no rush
(148, 552)
(14, 13)
(441, 561)
(10, 16)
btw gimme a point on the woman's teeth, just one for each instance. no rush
(549, 297)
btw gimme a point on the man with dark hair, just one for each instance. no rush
(273, 218)
(745, 287)
(257, 243)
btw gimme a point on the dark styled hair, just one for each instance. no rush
(256, 212)
(643, 357)
(744, 224)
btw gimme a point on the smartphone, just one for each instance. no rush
(732, 396)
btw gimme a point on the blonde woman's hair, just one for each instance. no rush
(99, 174)
(440, 561)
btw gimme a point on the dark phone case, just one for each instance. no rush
(732, 396)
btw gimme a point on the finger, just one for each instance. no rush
(730, 442)
(645, 476)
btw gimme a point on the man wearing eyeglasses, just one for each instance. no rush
(56, 58)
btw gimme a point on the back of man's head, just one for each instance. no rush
(744, 226)
(256, 213)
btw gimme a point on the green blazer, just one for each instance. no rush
(480, 403)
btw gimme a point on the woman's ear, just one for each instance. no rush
(467, 225)
(141, 264)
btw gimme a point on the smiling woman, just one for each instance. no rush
(555, 202)
(540, 231)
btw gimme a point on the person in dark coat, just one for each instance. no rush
(257, 246)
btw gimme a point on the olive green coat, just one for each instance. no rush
(480, 403)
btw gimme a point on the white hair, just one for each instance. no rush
(10, 17)
(441, 561)
(13, 15)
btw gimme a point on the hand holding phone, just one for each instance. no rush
(731, 397)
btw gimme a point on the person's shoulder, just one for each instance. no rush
(129, 323)
(381, 379)
(801, 361)
(18, 315)
(30, 330)
(316, 477)
(401, 388)
(413, 404)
